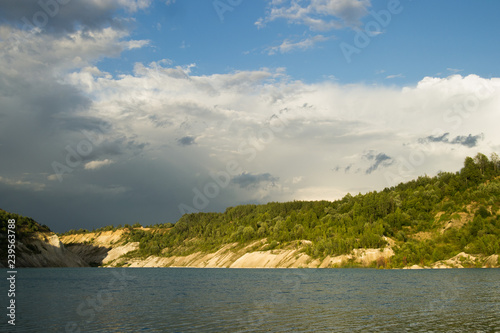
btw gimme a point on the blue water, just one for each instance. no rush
(254, 300)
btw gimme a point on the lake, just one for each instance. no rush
(254, 300)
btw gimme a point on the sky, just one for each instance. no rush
(125, 111)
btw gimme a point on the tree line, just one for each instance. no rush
(400, 212)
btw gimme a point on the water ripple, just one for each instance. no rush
(253, 300)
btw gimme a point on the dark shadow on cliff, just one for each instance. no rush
(91, 254)
(32, 252)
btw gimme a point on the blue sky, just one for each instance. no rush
(131, 111)
(424, 39)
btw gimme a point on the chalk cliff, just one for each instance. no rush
(44, 249)
(110, 249)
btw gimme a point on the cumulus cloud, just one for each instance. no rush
(53, 17)
(317, 122)
(319, 15)
(76, 50)
(105, 149)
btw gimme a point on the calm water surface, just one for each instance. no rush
(255, 300)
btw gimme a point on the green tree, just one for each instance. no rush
(495, 160)
(470, 172)
(248, 233)
(481, 162)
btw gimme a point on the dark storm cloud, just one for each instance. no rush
(40, 97)
(432, 138)
(247, 180)
(41, 116)
(82, 123)
(51, 16)
(129, 193)
(379, 159)
(186, 141)
(469, 141)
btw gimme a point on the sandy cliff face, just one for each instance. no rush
(45, 250)
(98, 249)
(108, 249)
(230, 256)
(225, 257)
(104, 238)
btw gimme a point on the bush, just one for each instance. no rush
(248, 233)
(483, 212)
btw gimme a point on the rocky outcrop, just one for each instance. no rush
(361, 257)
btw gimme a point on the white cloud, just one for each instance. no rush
(395, 76)
(164, 130)
(22, 184)
(35, 53)
(229, 116)
(321, 15)
(135, 5)
(305, 44)
(93, 165)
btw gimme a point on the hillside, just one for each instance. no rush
(450, 220)
(35, 246)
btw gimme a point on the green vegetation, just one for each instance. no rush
(113, 228)
(402, 213)
(25, 226)
(429, 219)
